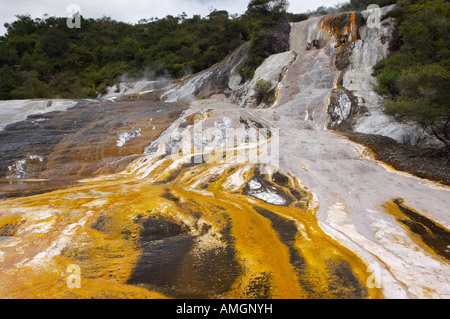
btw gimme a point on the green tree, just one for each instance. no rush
(264, 91)
(54, 42)
(22, 26)
(55, 60)
(32, 87)
(8, 81)
(415, 78)
(363, 4)
(8, 55)
(268, 23)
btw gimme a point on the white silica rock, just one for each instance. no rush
(271, 70)
(18, 110)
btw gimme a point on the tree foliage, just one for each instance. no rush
(263, 91)
(45, 58)
(42, 57)
(415, 78)
(269, 32)
(352, 5)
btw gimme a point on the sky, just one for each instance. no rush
(132, 11)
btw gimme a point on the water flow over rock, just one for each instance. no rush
(197, 210)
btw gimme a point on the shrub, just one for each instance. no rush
(263, 92)
(415, 79)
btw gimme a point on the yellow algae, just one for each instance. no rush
(254, 244)
(319, 253)
(227, 243)
(168, 227)
(277, 95)
(343, 27)
(106, 258)
(31, 283)
(9, 224)
(429, 235)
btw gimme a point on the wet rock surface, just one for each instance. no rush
(162, 207)
(169, 263)
(89, 139)
(433, 235)
(422, 162)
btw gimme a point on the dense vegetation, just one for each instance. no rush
(415, 77)
(42, 57)
(269, 32)
(45, 58)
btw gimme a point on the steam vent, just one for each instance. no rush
(195, 189)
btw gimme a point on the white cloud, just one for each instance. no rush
(133, 10)
(299, 6)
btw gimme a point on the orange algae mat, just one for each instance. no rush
(174, 237)
(179, 230)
